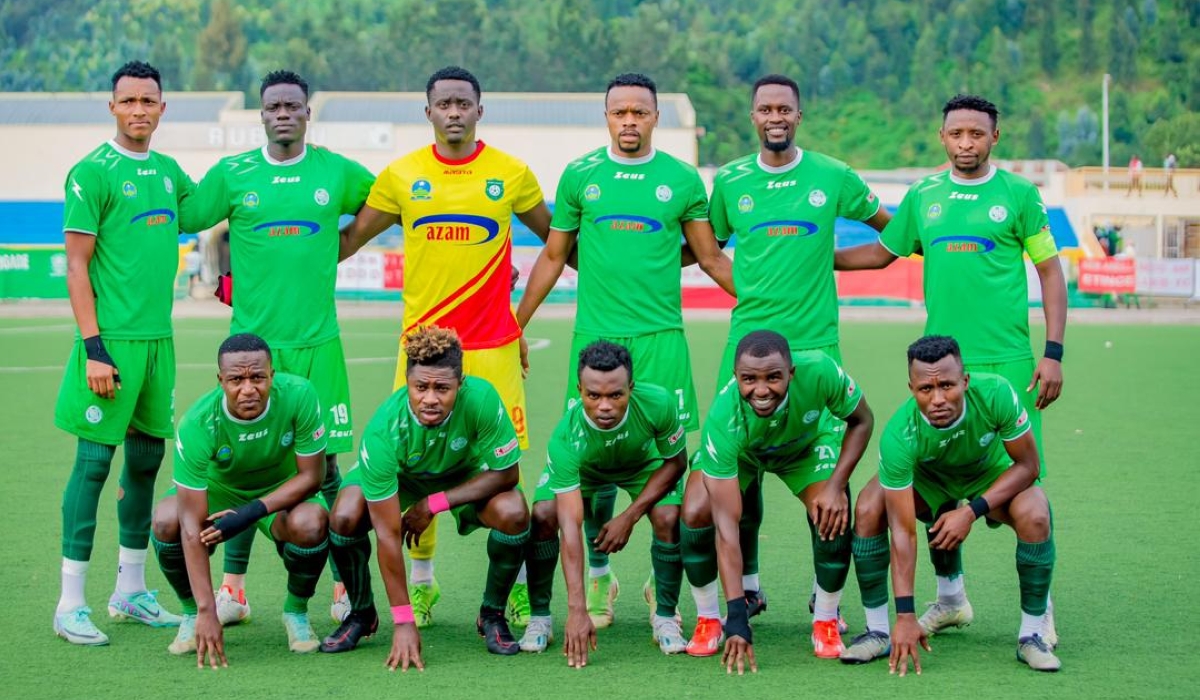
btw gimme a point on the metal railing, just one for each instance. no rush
(1092, 181)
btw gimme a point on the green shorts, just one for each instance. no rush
(325, 366)
(814, 466)
(220, 499)
(632, 486)
(658, 358)
(145, 401)
(466, 516)
(1019, 373)
(938, 494)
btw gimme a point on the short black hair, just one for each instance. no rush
(763, 343)
(243, 342)
(137, 69)
(775, 79)
(932, 348)
(633, 80)
(975, 103)
(604, 356)
(453, 73)
(283, 77)
(432, 346)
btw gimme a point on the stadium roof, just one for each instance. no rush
(500, 108)
(92, 107)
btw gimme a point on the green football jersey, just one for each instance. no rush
(629, 215)
(784, 221)
(973, 234)
(958, 455)
(476, 436)
(734, 433)
(650, 431)
(283, 238)
(245, 459)
(130, 202)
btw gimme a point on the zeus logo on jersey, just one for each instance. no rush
(284, 180)
(965, 244)
(964, 196)
(785, 229)
(459, 229)
(630, 222)
(619, 175)
(247, 437)
(780, 185)
(278, 229)
(154, 217)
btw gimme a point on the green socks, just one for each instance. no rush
(174, 568)
(871, 560)
(304, 566)
(596, 511)
(143, 457)
(699, 553)
(506, 553)
(667, 562)
(831, 559)
(82, 497)
(352, 554)
(749, 525)
(541, 560)
(237, 552)
(1035, 566)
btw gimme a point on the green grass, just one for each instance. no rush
(1122, 452)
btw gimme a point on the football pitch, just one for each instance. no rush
(1122, 464)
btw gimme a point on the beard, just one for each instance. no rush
(777, 146)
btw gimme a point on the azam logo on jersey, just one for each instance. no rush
(421, 191)
(494, 189)
(284, 229)
(457, 229)
(965, 244)
(592, 192)
(785, 228)
(630, 222)
(154, 217)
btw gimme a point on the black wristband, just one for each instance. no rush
(979, 506)
(94, 347)
(240, 519)
(737, 621)
(905, 605)
(1054, 351)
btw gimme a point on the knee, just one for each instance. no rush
(512, 512)
(665, 521)
(870, 512)
(164, 522)
(545, 520)
(308, 525)
(696, 514)
(345, 519)
(1032, 520)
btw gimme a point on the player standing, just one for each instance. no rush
(973, 224)
(250, 455)
(627, 205)
(121, 225)
(940, 449)
(455, 200)
(283, 202)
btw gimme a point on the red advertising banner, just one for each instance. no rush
(1108, 275)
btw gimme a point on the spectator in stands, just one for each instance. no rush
(1135, 175)
(1169, 165)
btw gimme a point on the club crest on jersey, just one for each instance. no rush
(287, 438)
(817, 198)
(663, 193)
(224, 453)
(935, 210)
(421, 191)
(321, 196)
(986, 439)
(128, 189)
(545, 477)
(745, 204)
(494, 189)
(592, 192)
(250, 200)
(458, 443)
(998, 213)
(168, 185)
(93, 414)
(811, 416)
